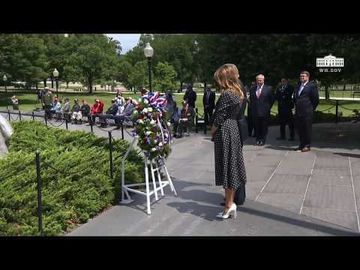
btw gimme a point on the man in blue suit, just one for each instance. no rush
(306, 98)
(261, 101)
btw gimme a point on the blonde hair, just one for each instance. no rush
(227, 78)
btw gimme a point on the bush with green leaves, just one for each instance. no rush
(75, 175)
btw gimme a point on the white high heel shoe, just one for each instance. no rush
(230, 211)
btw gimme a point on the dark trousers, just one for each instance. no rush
(304, 126)
(286, 119)
(48, 111)
(103, 117)
(191, 118)
(208, 112)
(261, 128)
(92, 117)
(250, 125)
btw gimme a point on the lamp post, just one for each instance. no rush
(149, 52)
(56, 75)
(5, 79)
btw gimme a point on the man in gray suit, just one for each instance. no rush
(261, 101)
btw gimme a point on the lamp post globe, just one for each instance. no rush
(5, 79)
(56, 75)
(149, 52)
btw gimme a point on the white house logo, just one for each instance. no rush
(329, 61)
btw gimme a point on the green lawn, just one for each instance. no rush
(28, 101)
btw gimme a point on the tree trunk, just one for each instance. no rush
(344, 87)
(204, 86)
(52, 83)
(45, 83)
(181, 84)
(67, 85)
(36, 85)
(326, 92)
(90, 85)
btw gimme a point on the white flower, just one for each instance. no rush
(169, 124)
(153, 122)
(140, 99)
(148, 133)
(146, 101)
(150, 109)
(145, 110)
(135, 112)
(160, 144)
(153, 149)
(140, 121)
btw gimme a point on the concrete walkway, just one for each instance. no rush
(288, 193)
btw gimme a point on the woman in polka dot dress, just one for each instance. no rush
(229, 163)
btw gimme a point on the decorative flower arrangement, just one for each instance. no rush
(151, 128)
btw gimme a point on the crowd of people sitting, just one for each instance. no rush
(120, 110)
(181, 117)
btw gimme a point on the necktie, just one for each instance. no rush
(301, 88)
(258, 92)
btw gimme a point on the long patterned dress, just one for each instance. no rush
(229, 163)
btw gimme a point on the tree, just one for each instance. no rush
(178, 51)
(139, 74)
(23, 57)
(95, 55)
(123, 71)
(165, 76)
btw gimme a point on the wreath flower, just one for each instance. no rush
(151, 127)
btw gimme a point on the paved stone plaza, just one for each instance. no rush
(288, 193)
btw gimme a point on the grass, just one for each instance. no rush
(28, 101)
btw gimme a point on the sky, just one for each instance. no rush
(127, 41)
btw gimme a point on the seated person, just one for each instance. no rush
(110, 114)
(56, 109)
(96, 110)
(76, 112)
(66, 109)
(15, 103)
(128, 110)
(184, 120)
(85, 109)
(120, 100)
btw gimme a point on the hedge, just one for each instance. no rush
(75, 175)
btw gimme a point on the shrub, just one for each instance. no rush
(75, 176)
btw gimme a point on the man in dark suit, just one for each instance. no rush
(249, 117)
(209, 104)
(261, 101)
(306, 99)
(284, 96)
(190, 98)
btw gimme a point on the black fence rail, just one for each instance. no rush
(18, 115)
